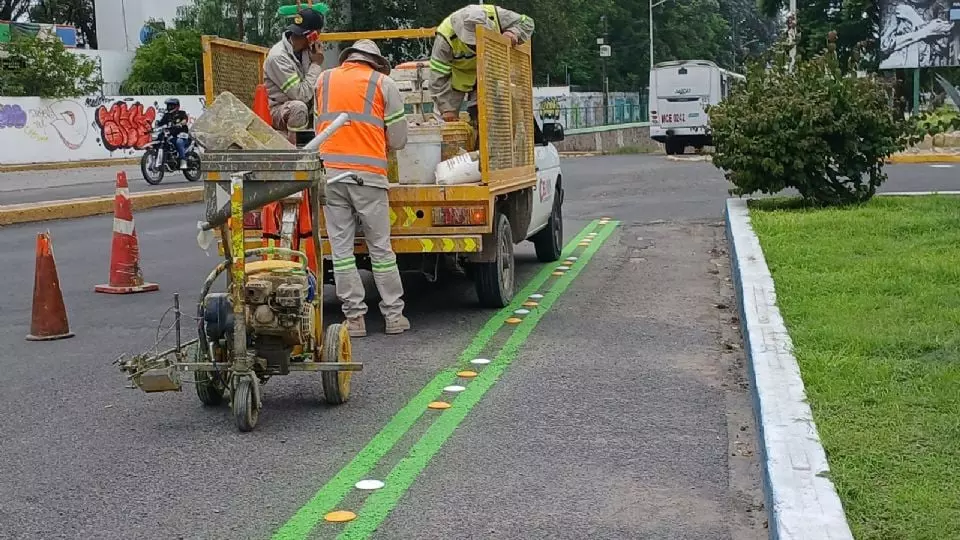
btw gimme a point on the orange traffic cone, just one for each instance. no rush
(125, 274)
(49, 319)
(261, 104)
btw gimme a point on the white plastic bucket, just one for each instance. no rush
(463, 169)
(417, 162)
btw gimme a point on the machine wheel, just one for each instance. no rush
(245, 408)
(151, 170)
(336, 348)
(192, 173)
(494, 280)
(549, 241)
(209, 389)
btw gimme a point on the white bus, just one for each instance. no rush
(679, 94)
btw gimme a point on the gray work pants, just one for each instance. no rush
(344, 203)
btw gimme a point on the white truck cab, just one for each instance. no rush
(680, 92)
(546, 221)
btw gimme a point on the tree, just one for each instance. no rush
(44, 67)
(77, 13)
(250, 21)
(168, 64)
(817, 129)
(11, 10)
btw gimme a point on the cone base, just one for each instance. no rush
(32, 337)
(110, 289)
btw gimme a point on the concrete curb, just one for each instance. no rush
(692, 158)
(904, 159)
(802, 502)
(92, 206)
(69, 165)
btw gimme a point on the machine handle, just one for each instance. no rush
(326, 133)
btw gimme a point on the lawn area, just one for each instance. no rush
(871, 297)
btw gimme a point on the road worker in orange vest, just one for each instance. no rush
(361, 87)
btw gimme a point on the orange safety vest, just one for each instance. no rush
(361, 144)
(272, 215)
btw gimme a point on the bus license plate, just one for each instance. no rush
(674, 118)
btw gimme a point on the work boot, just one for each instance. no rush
(183, 164)
(357, 327)
(397, 325)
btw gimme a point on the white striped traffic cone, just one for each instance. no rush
(125, 274)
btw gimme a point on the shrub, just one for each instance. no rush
(815, 129)
(171, 60)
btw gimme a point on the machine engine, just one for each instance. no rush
(280, 304)
(279, 315)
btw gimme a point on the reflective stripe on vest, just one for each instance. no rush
(361, 144)
(463, 68)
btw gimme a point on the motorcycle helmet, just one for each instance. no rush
(172, 104)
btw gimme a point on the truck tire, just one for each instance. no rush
(495, 280)
(549, 241)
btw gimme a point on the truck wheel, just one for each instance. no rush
(494, 280)
(549, 241)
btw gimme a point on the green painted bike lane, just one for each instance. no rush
(442, 425)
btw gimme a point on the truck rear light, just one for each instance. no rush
(459, 216)
(654, 119)
(252, 220)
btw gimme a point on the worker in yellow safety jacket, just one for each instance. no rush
(453, 63)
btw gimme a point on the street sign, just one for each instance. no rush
(605, 51)
(599, 41)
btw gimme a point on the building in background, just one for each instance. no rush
(120, 23)
(66, 34)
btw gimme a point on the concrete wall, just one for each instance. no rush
(33, 130)
(610, 139)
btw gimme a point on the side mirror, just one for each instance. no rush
(552, 132)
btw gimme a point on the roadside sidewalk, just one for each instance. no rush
(41, 186)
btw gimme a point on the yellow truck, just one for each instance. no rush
(472, 227)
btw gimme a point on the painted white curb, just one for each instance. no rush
(802, 502)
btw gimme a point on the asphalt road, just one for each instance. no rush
(625, 413)
(27, 187)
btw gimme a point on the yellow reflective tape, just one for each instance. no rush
(411, 216)
(427, 245)
(448, 245)
(469, 245)
(393, 217)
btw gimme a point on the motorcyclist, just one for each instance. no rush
(177, 119)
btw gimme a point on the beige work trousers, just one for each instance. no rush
(345, 202)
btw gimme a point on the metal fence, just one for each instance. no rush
(588, 116)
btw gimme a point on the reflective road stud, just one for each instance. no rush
(514, 320)
(340, 516)
(467, 374)
(369, 485)
(454, 389)
(530, 304)
(522, 312)
(439, 405)
(562, 268)
(536, 296)
(480, 362)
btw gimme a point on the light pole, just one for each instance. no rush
(650, 18)
(604, 52)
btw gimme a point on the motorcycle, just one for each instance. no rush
(161, 157)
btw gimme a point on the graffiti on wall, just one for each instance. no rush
(124, 127)
(64, 120)
(12, 116)
(36, 130)
(585, 109)
(550, 107)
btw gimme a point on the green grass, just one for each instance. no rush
(871, 297)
